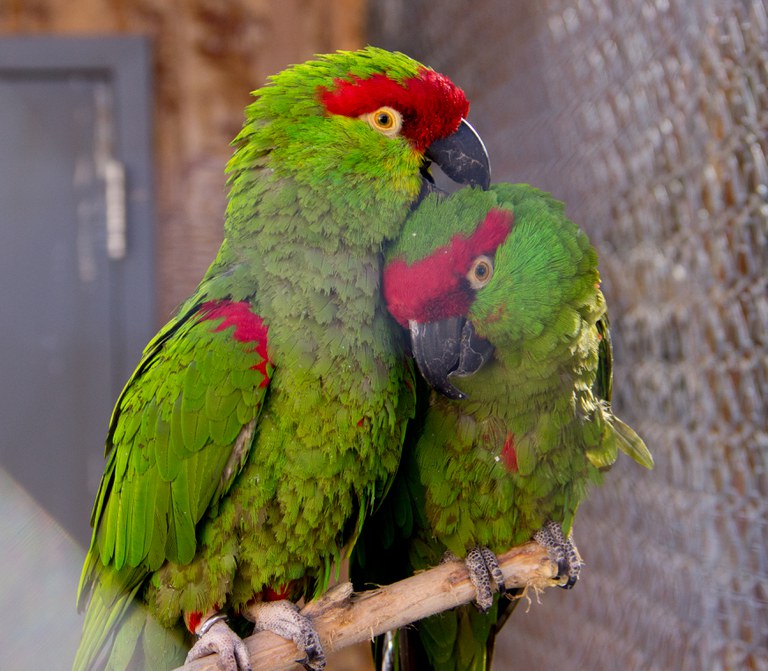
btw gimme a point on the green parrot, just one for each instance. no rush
(267, 415)
(503, 298)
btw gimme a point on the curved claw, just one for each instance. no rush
(284, 619)
(221, 640)
(562, 551)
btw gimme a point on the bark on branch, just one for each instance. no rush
(343, 618)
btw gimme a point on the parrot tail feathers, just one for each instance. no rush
(400, 650)
(632, 444)
(506, 606)
(102, 619)
(119, 634)
(457, 640)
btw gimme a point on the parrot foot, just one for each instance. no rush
(284, 619)
(484, 574)
(562, 551)
(218, 638)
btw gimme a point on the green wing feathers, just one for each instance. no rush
(632, 444)
(119, 632)
(620, 436)
(179, 435)
(173, 435)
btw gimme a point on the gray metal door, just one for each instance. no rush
(76, 280)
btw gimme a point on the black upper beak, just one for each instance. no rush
(462, 157)
(448, 348)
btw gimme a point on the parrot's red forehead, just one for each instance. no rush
(436, 287)
(431, 104)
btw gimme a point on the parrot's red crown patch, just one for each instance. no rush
(431, 104)
(436, 287)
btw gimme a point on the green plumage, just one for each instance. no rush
(264, 418)
(536, 430)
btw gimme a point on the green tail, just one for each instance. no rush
(458, 640)
(119, 634)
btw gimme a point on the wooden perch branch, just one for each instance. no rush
(343, 618)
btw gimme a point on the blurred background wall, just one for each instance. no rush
(650, 119)
(208, 56)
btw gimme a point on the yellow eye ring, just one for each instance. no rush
(386, 120)
(480, 273)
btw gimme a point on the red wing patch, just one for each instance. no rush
(249, 328)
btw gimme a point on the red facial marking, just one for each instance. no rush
(193, 621)
(436, 287)
(508, 454)
(432, 106)
(249, 327)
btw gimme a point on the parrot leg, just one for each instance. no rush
(484, 574)
(283, 618)
(562, 551)
(218, 638)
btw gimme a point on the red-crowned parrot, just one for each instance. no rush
(264, 419)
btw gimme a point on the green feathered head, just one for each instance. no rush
(499, 273)
(355, 130)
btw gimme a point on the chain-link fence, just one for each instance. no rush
(650, 119)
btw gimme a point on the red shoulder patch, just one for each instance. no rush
(248, 327)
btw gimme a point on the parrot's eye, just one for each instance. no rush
(386, 120)
(480, 273)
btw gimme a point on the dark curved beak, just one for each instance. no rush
(448, 348)
(461, 156)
